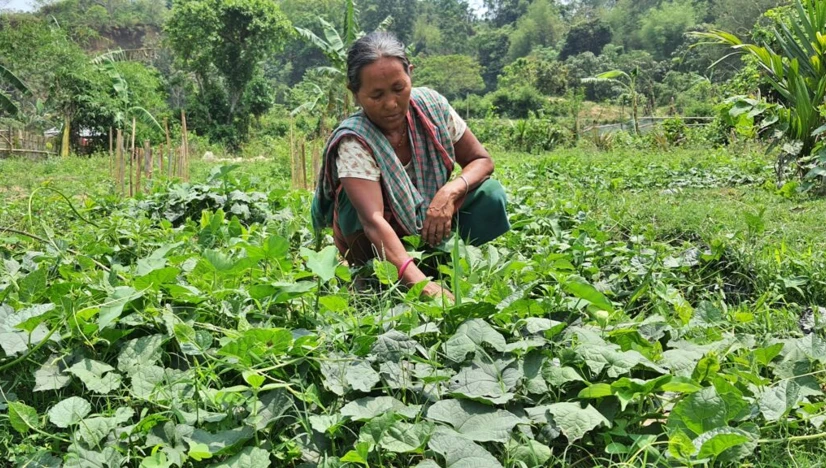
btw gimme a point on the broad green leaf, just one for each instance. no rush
(156, 460)
(140, 352)
(583, 290)
(470, 336)
(705, 410)
(532, 368)
(713, 443)
(386, 272)
(530, 452)
(370, 407)
(681, 385)
(765, 355)
(361, 376)
(323, 423)
(80, 457)
(93, 430)
(13, 340)
(271, 406)
(403, 437)
(680, 445)
(50, 376)
(96, 376)
(574, 420)
(22, 417)
(114, 304)
(221, 442)
(777, 400)
(392, 346)
(69, 412)
(322, 264)
(460, 452)
(558, 376)
(32, 285)
(487, 382)
(475, 421)
(598, 390)
(249, 457)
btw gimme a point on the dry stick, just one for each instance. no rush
(119, 162)
(168, 146)
(316, 164)
(138, 170)
(160, 159)
(131, 157)
(111, 154)
(185, 148)
(293, 177)
(303, 166)
(147, 153)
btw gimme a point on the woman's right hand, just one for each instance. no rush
(434, 290)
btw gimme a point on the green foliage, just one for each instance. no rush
(793, 65)
(453, 76)
(662, 28)
(540, 26)
(586, 36)
(548, 77)
(517, 102)
(223, 43)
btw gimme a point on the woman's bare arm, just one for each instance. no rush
(477, 166)
(366, 197)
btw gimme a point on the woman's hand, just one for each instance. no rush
(439, 216)
(434, 290)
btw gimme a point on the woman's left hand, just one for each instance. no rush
(439, 216)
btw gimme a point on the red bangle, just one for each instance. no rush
(404, 267)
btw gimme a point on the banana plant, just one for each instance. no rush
(125, 110)
(334, 46)
(628, 82)
(794, 64)
(6, 102)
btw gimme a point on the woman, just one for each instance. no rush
(386, 171)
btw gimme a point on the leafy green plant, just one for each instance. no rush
(793, 66)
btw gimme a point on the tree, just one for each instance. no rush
(586, 36)
(443, 27)
(230, 37)
(373, 13)
(548, 77)
(492, 51)
(504, 12)
(454, 76)
(662, 28)
(539, 26)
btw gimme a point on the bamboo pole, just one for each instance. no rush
(160, 159)
(168, 145)
(111, 155)
(185, 149)
(147, 155)
(303, 163)
(293, 177)
(316, 164)
(131, 157)
(119, 150)
(138, 170)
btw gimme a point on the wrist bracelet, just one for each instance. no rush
(404, 267)
(467, 185)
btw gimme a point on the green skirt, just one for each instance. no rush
(481, 218)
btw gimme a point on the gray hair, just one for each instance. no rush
(368, 49)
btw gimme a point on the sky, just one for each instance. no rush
(24, 5)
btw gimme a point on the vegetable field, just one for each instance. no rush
(647, 309)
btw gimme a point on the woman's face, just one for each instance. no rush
(385, 93)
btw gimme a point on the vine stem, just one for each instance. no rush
(819, 435)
